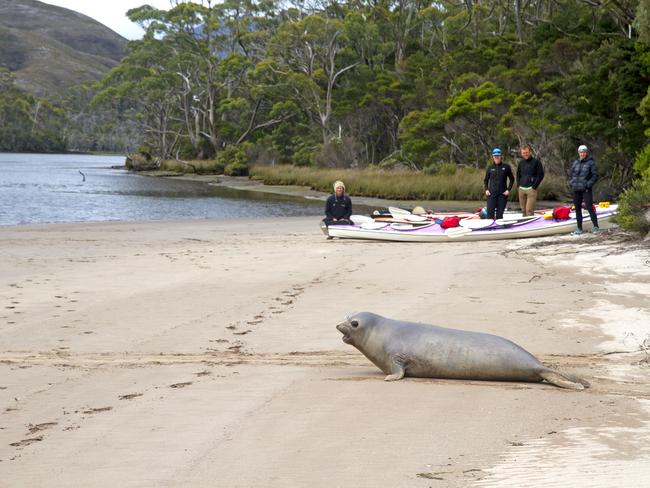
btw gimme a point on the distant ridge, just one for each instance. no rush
(50, 48)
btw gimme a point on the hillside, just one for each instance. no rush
(49, 48)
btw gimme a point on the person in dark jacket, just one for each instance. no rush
(530, 174)
(338, 207)
(498, 182)
(582, 177)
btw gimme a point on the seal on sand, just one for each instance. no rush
(401, 349)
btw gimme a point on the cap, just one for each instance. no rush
(496, 152)
(337, 184)
(583, 148)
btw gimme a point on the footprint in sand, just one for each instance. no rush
(129, 396)
(33, 428)
(97, 410)
(27, 442)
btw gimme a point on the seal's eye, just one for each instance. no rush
(354, 324)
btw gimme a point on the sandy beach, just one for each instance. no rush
(204, 354)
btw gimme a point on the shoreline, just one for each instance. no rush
(246, 184)
(119, 336)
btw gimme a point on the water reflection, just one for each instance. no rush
(37, 188)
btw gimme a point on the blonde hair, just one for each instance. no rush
(338, 183)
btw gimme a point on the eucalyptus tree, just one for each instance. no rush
(28, 123)
(310, 55)
(189, 77)
(143, 81)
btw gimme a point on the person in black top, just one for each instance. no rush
(530, 174)
(582, 177)
(338, 208)
(498, 182)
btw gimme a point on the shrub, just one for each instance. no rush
(138, 162)
(305, 154)
(340, 153)
(553, 187)
(642, 160)
(262, 152)
(445, 169)
(145, 152)
(634, 206)
(234, 160)
(396, 161)
(236, 169)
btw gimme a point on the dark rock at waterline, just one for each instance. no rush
(138, 162)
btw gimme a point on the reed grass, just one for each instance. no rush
(464, 184)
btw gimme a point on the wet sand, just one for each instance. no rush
(204, 353)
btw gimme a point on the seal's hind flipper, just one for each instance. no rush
(563, 381)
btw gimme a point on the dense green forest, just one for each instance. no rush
(29, 123)
(412, 83)
(388, 83)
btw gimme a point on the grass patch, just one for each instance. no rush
(463, 184)
(195, 166)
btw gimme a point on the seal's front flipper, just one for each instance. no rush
(396, 368)
(558, 379)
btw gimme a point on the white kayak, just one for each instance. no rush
(471, 229)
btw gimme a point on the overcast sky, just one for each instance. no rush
(112, 13)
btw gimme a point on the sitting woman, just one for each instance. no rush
(338, 208)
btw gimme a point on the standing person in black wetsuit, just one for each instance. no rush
(498, 182)
(338, 208)
(530, 174)
(582, 177)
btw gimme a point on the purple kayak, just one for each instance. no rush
(511, 227)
